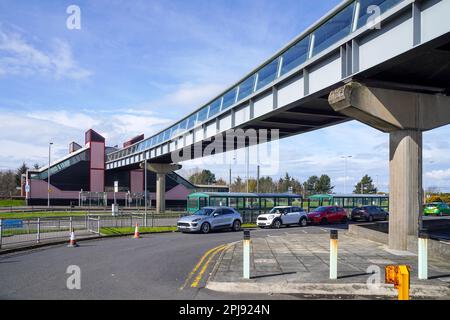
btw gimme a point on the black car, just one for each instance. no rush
(369, 213)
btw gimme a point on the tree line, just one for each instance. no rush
(10, 180)
(313, 185)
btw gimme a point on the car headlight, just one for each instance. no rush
(197, 220)
(271, 217)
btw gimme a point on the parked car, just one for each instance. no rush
(436, 208)
(211, 218)
(284, 215)
(369, 213)
(327, 214)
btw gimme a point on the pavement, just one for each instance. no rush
(298, 263)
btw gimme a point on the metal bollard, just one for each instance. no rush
(423, 255)
(333, 254)
(399, 277)
(246, 252)
(38, 230)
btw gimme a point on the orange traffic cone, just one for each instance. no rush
(136, 232)
(72, 241)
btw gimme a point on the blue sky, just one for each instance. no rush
(137, 66)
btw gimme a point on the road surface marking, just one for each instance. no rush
(197, 280)
(197, 266)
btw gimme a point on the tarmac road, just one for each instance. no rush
(153, 267)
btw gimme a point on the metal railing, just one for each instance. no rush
(22, 232)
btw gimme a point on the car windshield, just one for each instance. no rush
(320, 209)
(278, 210)
(203, 212)
(432, 205)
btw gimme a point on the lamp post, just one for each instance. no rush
(145, 191)
(229, 174)
(345, 178)
(247, 161)
(48, 173)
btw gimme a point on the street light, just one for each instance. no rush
(229, 173)
(48, 173)
(345, 178)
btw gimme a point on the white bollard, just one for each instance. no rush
(423, 256)
(246, 251)
(333, 254)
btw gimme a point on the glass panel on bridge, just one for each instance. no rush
(166, 135)
(267, 74)
(295, 56)
(229, 99)
(214, 108)
(173, 130)
(368, 12)
(202, 115)
(335, 29)
(191, 121)
(246, 88)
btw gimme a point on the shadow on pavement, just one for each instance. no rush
(272, 275)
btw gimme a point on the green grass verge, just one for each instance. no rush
(119, 231)
(12, 203)
(44, 214)
(249, 225)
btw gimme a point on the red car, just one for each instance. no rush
(329, 214)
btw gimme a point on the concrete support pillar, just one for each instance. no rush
(161, 169)
(160, 192)
(404, 115)
(405, 191)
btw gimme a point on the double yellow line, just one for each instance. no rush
(202, 266)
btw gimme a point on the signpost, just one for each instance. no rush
(115, 207)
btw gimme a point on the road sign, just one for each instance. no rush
(27, 188)
(116, 186)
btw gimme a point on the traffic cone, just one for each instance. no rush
(72, 241)
(136, 232)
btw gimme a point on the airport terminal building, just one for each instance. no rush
(81, 178)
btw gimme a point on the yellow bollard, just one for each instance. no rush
(399, 277)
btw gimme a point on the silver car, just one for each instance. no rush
(211, 218)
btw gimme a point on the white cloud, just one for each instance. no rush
(20, 58)
(438, 174)
(69, 119)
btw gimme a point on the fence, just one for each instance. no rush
(17, 232)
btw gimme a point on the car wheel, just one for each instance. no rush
(303, 222)
(236, 225)
(205, 228)
(324, 221)
(276, 224)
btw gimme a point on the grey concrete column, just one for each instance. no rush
(160, 192)
(161, 169)
(405, 191)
